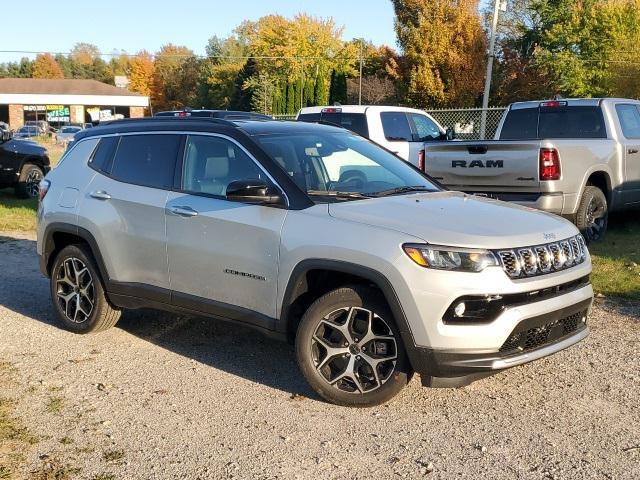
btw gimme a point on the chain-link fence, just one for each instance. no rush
(465, 121)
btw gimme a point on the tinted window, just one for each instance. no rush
(629, 120)
(309, 117)
(212, 163)
(571, 122)
(425, 128)
(396, 126)
(103, 155)
(147, 160)
(356, 122)
(521, 124)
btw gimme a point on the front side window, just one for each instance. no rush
(212, 163)
(396, 126)
(629, 120)
(147, 160)
(426, 129)
(324, 164)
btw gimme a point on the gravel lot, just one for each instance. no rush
(161, 396)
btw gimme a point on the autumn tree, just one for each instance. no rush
(444, 47)
(175, 78)
(141, 70)
(45, 66)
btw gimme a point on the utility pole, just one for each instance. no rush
(361, 62)
(497, 5)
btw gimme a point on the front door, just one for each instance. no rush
(629, 116)
(223, 256)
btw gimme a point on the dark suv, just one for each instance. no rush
(23, 164)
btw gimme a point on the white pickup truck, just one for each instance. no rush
(579, 158)
(404, 131)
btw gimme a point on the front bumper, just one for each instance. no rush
(532, 339)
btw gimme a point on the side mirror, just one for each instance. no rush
(6, 135)
(252, 191)
(451, 134)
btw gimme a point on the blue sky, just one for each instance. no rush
(132, 25)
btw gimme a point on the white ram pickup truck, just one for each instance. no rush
(579, 158)
(401, 130)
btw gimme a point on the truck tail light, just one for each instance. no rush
(422, 161)
(43, 188)
(549, 164)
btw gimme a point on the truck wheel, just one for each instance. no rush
(78, 293)
(593, 214)
(29, 181)
(349, 348)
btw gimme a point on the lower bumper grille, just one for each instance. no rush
(535, 337)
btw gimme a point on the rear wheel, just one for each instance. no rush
(592, 217)
(29, 181)
(78, 293)
(349, 348)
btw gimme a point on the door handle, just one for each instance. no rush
(631, 151)
(100, 195)
(183, 211)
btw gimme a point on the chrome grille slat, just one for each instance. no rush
(543, 259)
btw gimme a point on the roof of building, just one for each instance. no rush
(65, 86)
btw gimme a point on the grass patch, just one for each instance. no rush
(103, 476)
(15, 440)
(616, 261)
(66, 441)
(113, 455)
(55, 405)
(17, 214)
(54, 469)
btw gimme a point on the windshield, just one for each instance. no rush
(70, 129)
(28, 130)
(332, 163)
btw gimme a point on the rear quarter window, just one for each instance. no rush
(147, 160)
(103, 154)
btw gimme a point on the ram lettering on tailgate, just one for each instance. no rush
(477, 164)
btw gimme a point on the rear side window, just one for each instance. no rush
(103, 154)
(521, 124)
(396, 126)
(571, 122)
(147, 160)
(629, 120)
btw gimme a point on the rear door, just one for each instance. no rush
(629, 116)
(397, 134)
(425, 130)
(123, 207)
(223, 256)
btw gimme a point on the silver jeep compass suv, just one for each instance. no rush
(311, 234)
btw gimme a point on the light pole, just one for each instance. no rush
(497, 6)
(361, 62)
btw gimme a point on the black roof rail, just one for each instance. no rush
(219, 121)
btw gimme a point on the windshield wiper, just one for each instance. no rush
(399, 190)
(336, 194)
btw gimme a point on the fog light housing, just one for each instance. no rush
(460, 309)
(474, 309)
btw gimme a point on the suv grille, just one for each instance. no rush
(542, 259)
(526, 340)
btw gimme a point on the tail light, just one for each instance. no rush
(549, 164)
(43, 188)
(421, 161)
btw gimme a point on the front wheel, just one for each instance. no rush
(349, 348)
(592, 217)
(29, 181)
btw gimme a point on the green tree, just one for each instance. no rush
(175, 78)
(444, 47)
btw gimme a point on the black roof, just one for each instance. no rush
(204, 124)
(225, 114)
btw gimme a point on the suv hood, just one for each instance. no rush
(457, 219)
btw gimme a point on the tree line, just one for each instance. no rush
(278, 65)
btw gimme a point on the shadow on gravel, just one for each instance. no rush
(223, 346)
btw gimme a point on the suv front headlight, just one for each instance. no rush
(450, 258)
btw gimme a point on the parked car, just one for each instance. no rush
(579, 158)
(4, 126)
(23, 164)
(65, 134)
(42, 126)
(223, 114)
(314, 234)
(27, 132)
(401, 130)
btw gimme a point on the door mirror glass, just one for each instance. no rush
(252, 191)
(6, 135)
(451, 134)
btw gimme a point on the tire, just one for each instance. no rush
(29, 181)
(592, 217)
(77, 292)
(341, 319)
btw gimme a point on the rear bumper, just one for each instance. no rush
(549, 202)
(456, 368)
